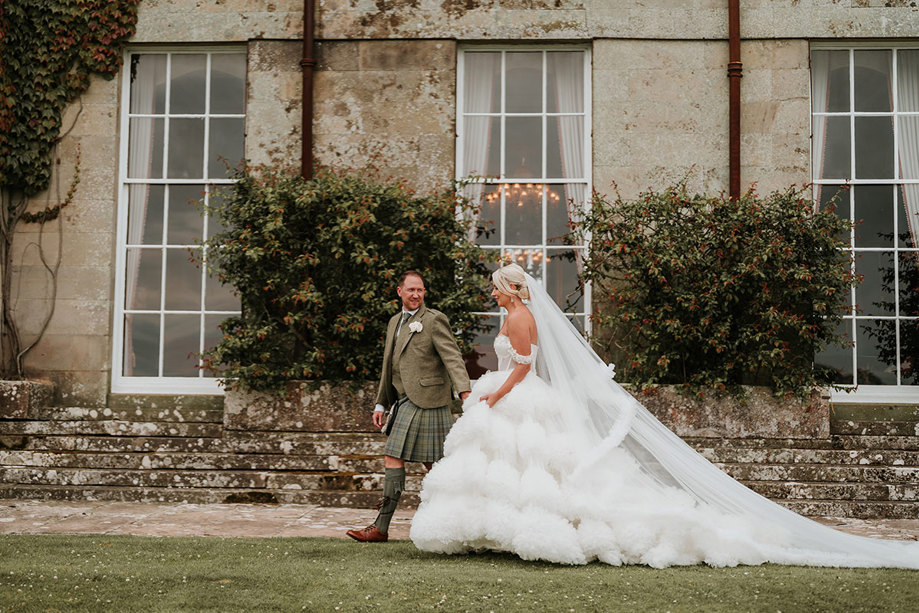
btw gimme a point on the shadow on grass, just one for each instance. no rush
(124, 573)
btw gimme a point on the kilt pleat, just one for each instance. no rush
(418, 434)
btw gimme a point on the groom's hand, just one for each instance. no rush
(464, 395)
(378, 419)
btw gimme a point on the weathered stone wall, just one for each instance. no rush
(586, 19)
(388, 103)
(385, 94)
(75, 351)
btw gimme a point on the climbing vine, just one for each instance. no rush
(48, 50)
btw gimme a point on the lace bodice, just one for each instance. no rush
(507, 354)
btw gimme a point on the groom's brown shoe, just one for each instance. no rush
(370, 534)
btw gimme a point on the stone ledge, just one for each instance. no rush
(24, 399)
(305, 407)
(759, 414)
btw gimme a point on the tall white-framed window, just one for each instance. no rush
(865, 138)
(523, 126)
(182, 121)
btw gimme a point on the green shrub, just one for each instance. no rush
(709, 292)
(316, 263)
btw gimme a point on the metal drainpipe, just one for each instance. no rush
(307, 64)
(735, 74)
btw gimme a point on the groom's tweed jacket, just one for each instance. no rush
(427, 360)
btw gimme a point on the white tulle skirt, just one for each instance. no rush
(508, 483)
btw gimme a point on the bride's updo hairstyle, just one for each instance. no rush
(511, 280)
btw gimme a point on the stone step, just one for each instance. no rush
(853, 508)
(114, 427)
(873, 412)
(875, 428)
(113, 444)
(158, 460)
(748, 455)
(323, 443)
(838, 441)
(822, 473)
(792, 490)
(255, 479)
(140, 414)
(356, 500)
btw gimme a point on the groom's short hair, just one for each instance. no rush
(409, 273)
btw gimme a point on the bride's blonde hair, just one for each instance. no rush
(511, 280)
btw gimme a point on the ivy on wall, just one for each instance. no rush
(48, 50)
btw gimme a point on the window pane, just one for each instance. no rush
(874, 214)
(215, 199)
(830, 81)
(482, 86)
(212, 333)
(181, 344)
(909, 144)
(908, 215)
(908, 80)
(565, 82)
(873, 351)
(186, 223)
(838, 359)
(143, 276)
(556, 213)
(874, 148)
(148, 83)
(523, 83)
(562, 281)
(482, 147)
(145, 148)
(225, 146)
(228, 83)
(565, 147)
(835, 147)
(483, 358)
(909, 283)
(523, 157)
(188, 83)
(872, 80)
(145, 215)
(218, 296)
(840, 199)
(909, 352)
(874, 295)
(529, 259)
(523, 214)
(183, 281)
(142, 344)
(488, 199)
(186, 148)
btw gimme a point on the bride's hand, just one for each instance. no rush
(489, 399)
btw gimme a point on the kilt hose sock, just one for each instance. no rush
(393, 484)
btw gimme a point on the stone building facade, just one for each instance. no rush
(399, 84)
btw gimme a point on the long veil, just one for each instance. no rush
(612, 419)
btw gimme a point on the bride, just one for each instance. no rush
(552, 460)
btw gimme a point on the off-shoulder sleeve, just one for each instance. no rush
(523, 359)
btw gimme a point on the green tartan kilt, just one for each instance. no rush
(418, 434)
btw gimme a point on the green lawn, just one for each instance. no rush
(122, 573)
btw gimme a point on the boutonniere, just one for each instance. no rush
(415, 326)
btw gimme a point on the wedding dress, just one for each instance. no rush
(569, 468)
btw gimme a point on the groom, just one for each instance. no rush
(420, 359)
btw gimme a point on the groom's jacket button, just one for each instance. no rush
(432, 381)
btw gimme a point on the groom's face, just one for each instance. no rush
(412, 292)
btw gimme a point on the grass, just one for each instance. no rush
(125, 573)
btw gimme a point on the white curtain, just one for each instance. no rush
(140, 164)
(820, 87)
(908, 145)
(568, 68)
(479, 94)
